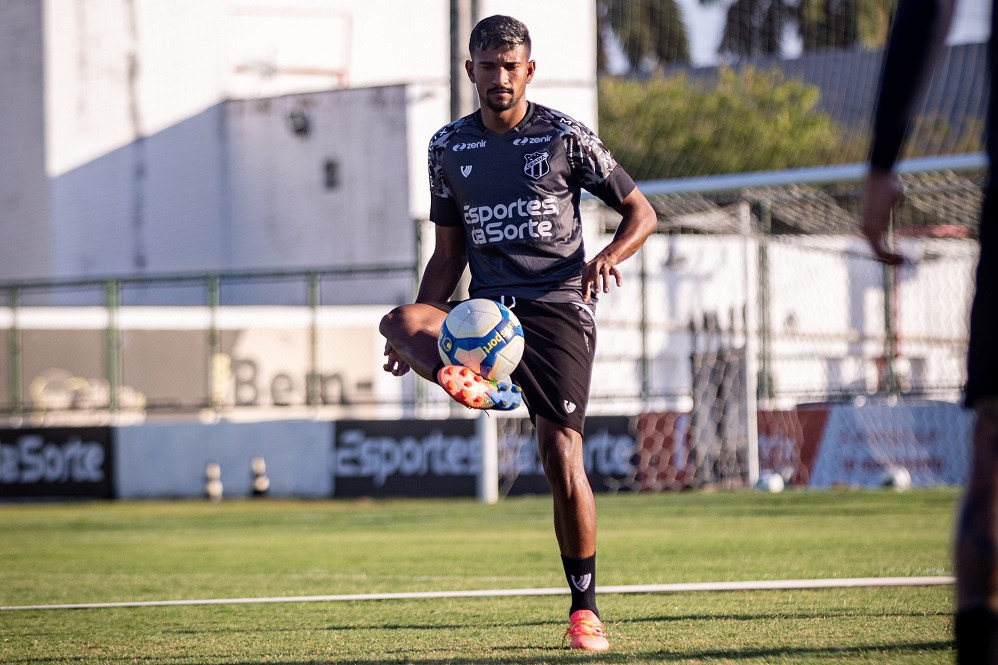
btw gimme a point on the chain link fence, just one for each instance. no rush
(760, 309)
(127, 349)
(756, 301)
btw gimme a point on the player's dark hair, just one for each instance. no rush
(498, 31)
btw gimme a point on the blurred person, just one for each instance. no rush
(505, 186)
(917, 36)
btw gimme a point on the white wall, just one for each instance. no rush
(233, 188)
(284, 215)
(156, 204)
(169, 460)
(24, 213)
(278, 47)
(116, 70)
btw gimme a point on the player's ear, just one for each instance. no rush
(531, 67)
(469, 67)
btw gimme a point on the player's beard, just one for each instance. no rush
(496, 105)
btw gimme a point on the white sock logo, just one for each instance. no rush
(582, 582)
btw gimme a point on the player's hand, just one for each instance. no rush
(395, 364)
(881, 193)
(596, 276)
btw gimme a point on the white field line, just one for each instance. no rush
(763, 585)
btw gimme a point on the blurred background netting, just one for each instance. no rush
(789, 85)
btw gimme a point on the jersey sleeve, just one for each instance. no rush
(444, 211)
(593, 167)
(443, 207)
(615, 188)
(905, 67)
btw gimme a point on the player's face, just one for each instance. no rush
(501, 76)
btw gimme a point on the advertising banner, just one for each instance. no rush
(406, 458)
(861, 446)
(846, 445)
(56, 463)
(789, 441)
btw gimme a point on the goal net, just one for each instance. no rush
(756, 335)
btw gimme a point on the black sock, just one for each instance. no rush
(976, 637)
(581, 576)
(436, 371)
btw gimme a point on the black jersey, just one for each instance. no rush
(517, 197)
(992, 123)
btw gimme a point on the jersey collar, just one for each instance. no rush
(519, 126)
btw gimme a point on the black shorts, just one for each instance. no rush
(982, 357)
(557, 365)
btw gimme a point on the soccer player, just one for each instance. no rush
(920, 26)
(505, 184)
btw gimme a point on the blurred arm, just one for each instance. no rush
(917, 36)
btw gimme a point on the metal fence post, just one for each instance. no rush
(112, 353)
(765, 384)
(216, 393)
(750, 320)
(418, 387)
(890, 315)
(313, 386)
(487, 431)
(645, 346)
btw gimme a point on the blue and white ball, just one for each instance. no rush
(484, 336)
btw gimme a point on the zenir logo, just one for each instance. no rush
(527, 140)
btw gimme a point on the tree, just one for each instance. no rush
(649, 32)
(749, 120)
(844, 23)
(756, 27)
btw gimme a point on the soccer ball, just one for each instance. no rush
(770, 482)
(484, 336)
(897, 478)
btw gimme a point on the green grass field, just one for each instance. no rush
(141, 551)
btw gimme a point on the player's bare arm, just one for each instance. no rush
(445, 267)
(920, 28)
(440, 278)
(638, 221)
(881, 193)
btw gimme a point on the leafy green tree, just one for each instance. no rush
(843, 23)
(648, 32)
(756, 27)
(750, 120)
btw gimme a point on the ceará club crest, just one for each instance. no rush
(537, 165)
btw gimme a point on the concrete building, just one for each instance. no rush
(162, 136)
